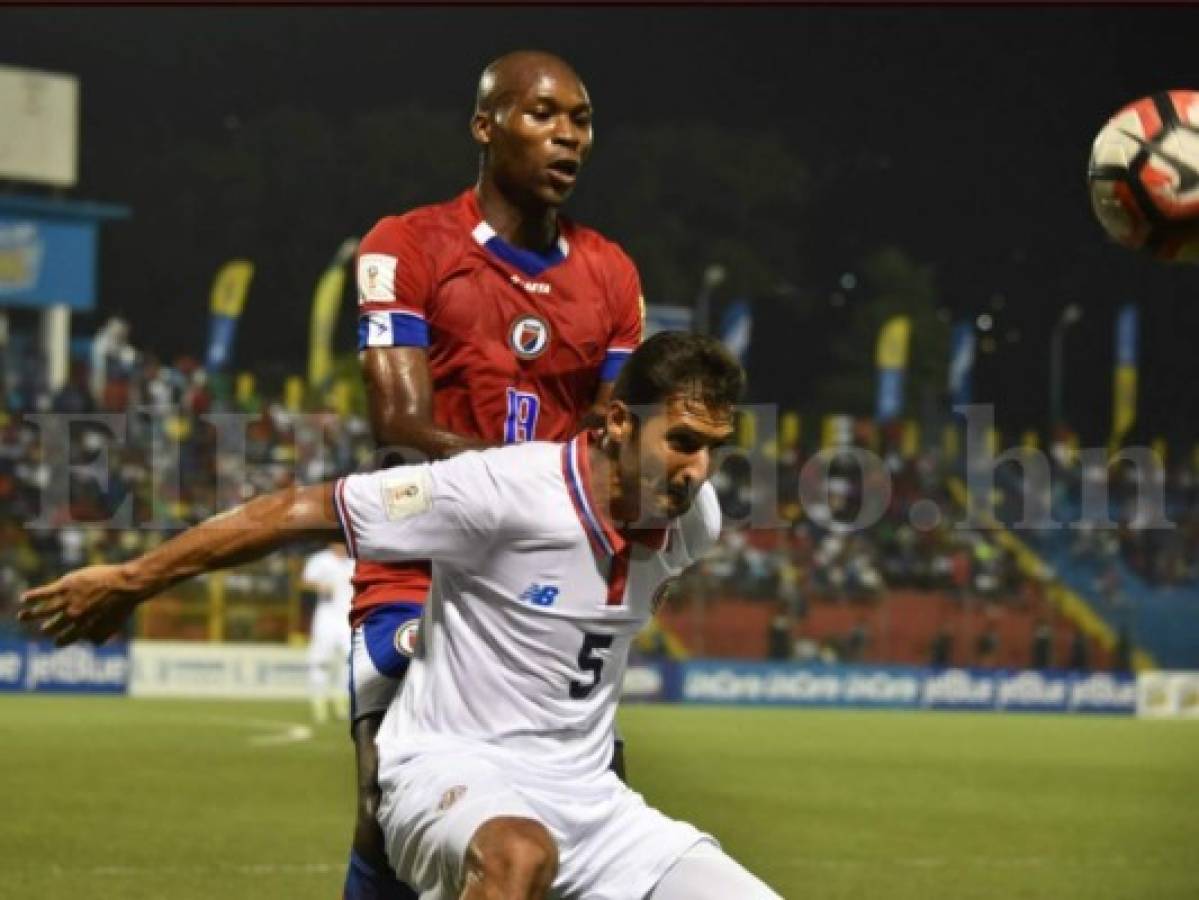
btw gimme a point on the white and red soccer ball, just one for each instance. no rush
(1144, 176)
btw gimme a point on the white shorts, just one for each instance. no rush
(329, 647)
(381, 648)
(611, 845)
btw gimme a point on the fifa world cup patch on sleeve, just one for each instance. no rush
(450, 797)
(376, 278)
(407, 494)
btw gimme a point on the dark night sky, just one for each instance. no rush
(959, 133)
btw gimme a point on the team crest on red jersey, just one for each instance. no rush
(529, 336)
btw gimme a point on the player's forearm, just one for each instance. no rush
(243, 534)
(399, 395)
(394, 431)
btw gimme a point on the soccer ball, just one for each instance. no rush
(1144, 176)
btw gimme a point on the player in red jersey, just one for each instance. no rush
(485, 320)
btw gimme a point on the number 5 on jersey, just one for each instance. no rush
(521, 423)
(590, 660)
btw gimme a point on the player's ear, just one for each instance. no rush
(620, 424)
(480, 127)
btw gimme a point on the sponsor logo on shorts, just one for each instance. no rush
(406, 637)
(451, 796)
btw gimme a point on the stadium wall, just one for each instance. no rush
(1168, 695)
(215, 670)
(896, 687)
(275, 672)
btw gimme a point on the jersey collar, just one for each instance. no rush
(530, 262)
(604, 537)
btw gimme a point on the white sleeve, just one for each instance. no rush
(314, 570)
(444, 511)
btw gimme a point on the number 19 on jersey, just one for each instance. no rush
(521, 423)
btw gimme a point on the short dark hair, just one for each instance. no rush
(678, 362)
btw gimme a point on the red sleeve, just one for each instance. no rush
(628, 307)
(395, 283)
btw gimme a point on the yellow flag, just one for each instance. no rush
(339, 397)
(1160, 449)
(892, 349)
(1124, 402)
(326, 302)
(293, 393)
(1124, 387)
(747, 429)
(950, 442)
(836, 431)
(231, 286)
(243, 390)
(789, 430)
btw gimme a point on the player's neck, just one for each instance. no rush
(531, 227)
(606, 488)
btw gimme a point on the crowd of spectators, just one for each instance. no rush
(854, 538)
(1152, 519)
(154, 448)
(179, 446)
(915, 540)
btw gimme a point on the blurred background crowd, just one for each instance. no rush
(794, 575)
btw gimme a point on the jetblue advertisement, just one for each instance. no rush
(895, 687)
(29, 666)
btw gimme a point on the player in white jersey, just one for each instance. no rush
(494, 757)
(327, 573)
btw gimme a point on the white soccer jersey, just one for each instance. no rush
(535, 599)
(332, 575)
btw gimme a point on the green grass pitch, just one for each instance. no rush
(119, 798)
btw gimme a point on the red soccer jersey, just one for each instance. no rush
(518, 341)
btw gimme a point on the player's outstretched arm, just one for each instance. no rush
(93, 603)
(399, 391)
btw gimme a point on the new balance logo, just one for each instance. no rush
(540, 594)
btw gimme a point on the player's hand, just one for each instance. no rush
(89, 604)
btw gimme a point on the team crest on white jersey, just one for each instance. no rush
(529, 336)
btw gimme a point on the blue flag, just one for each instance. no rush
(736, 328)
(961, 364)
(229, 291)
(1126, 336)
(891, 357)
(1124, 386)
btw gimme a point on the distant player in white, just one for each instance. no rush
(327, 574)
(494, 757)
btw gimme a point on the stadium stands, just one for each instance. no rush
(137, 478)
(807, 588)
